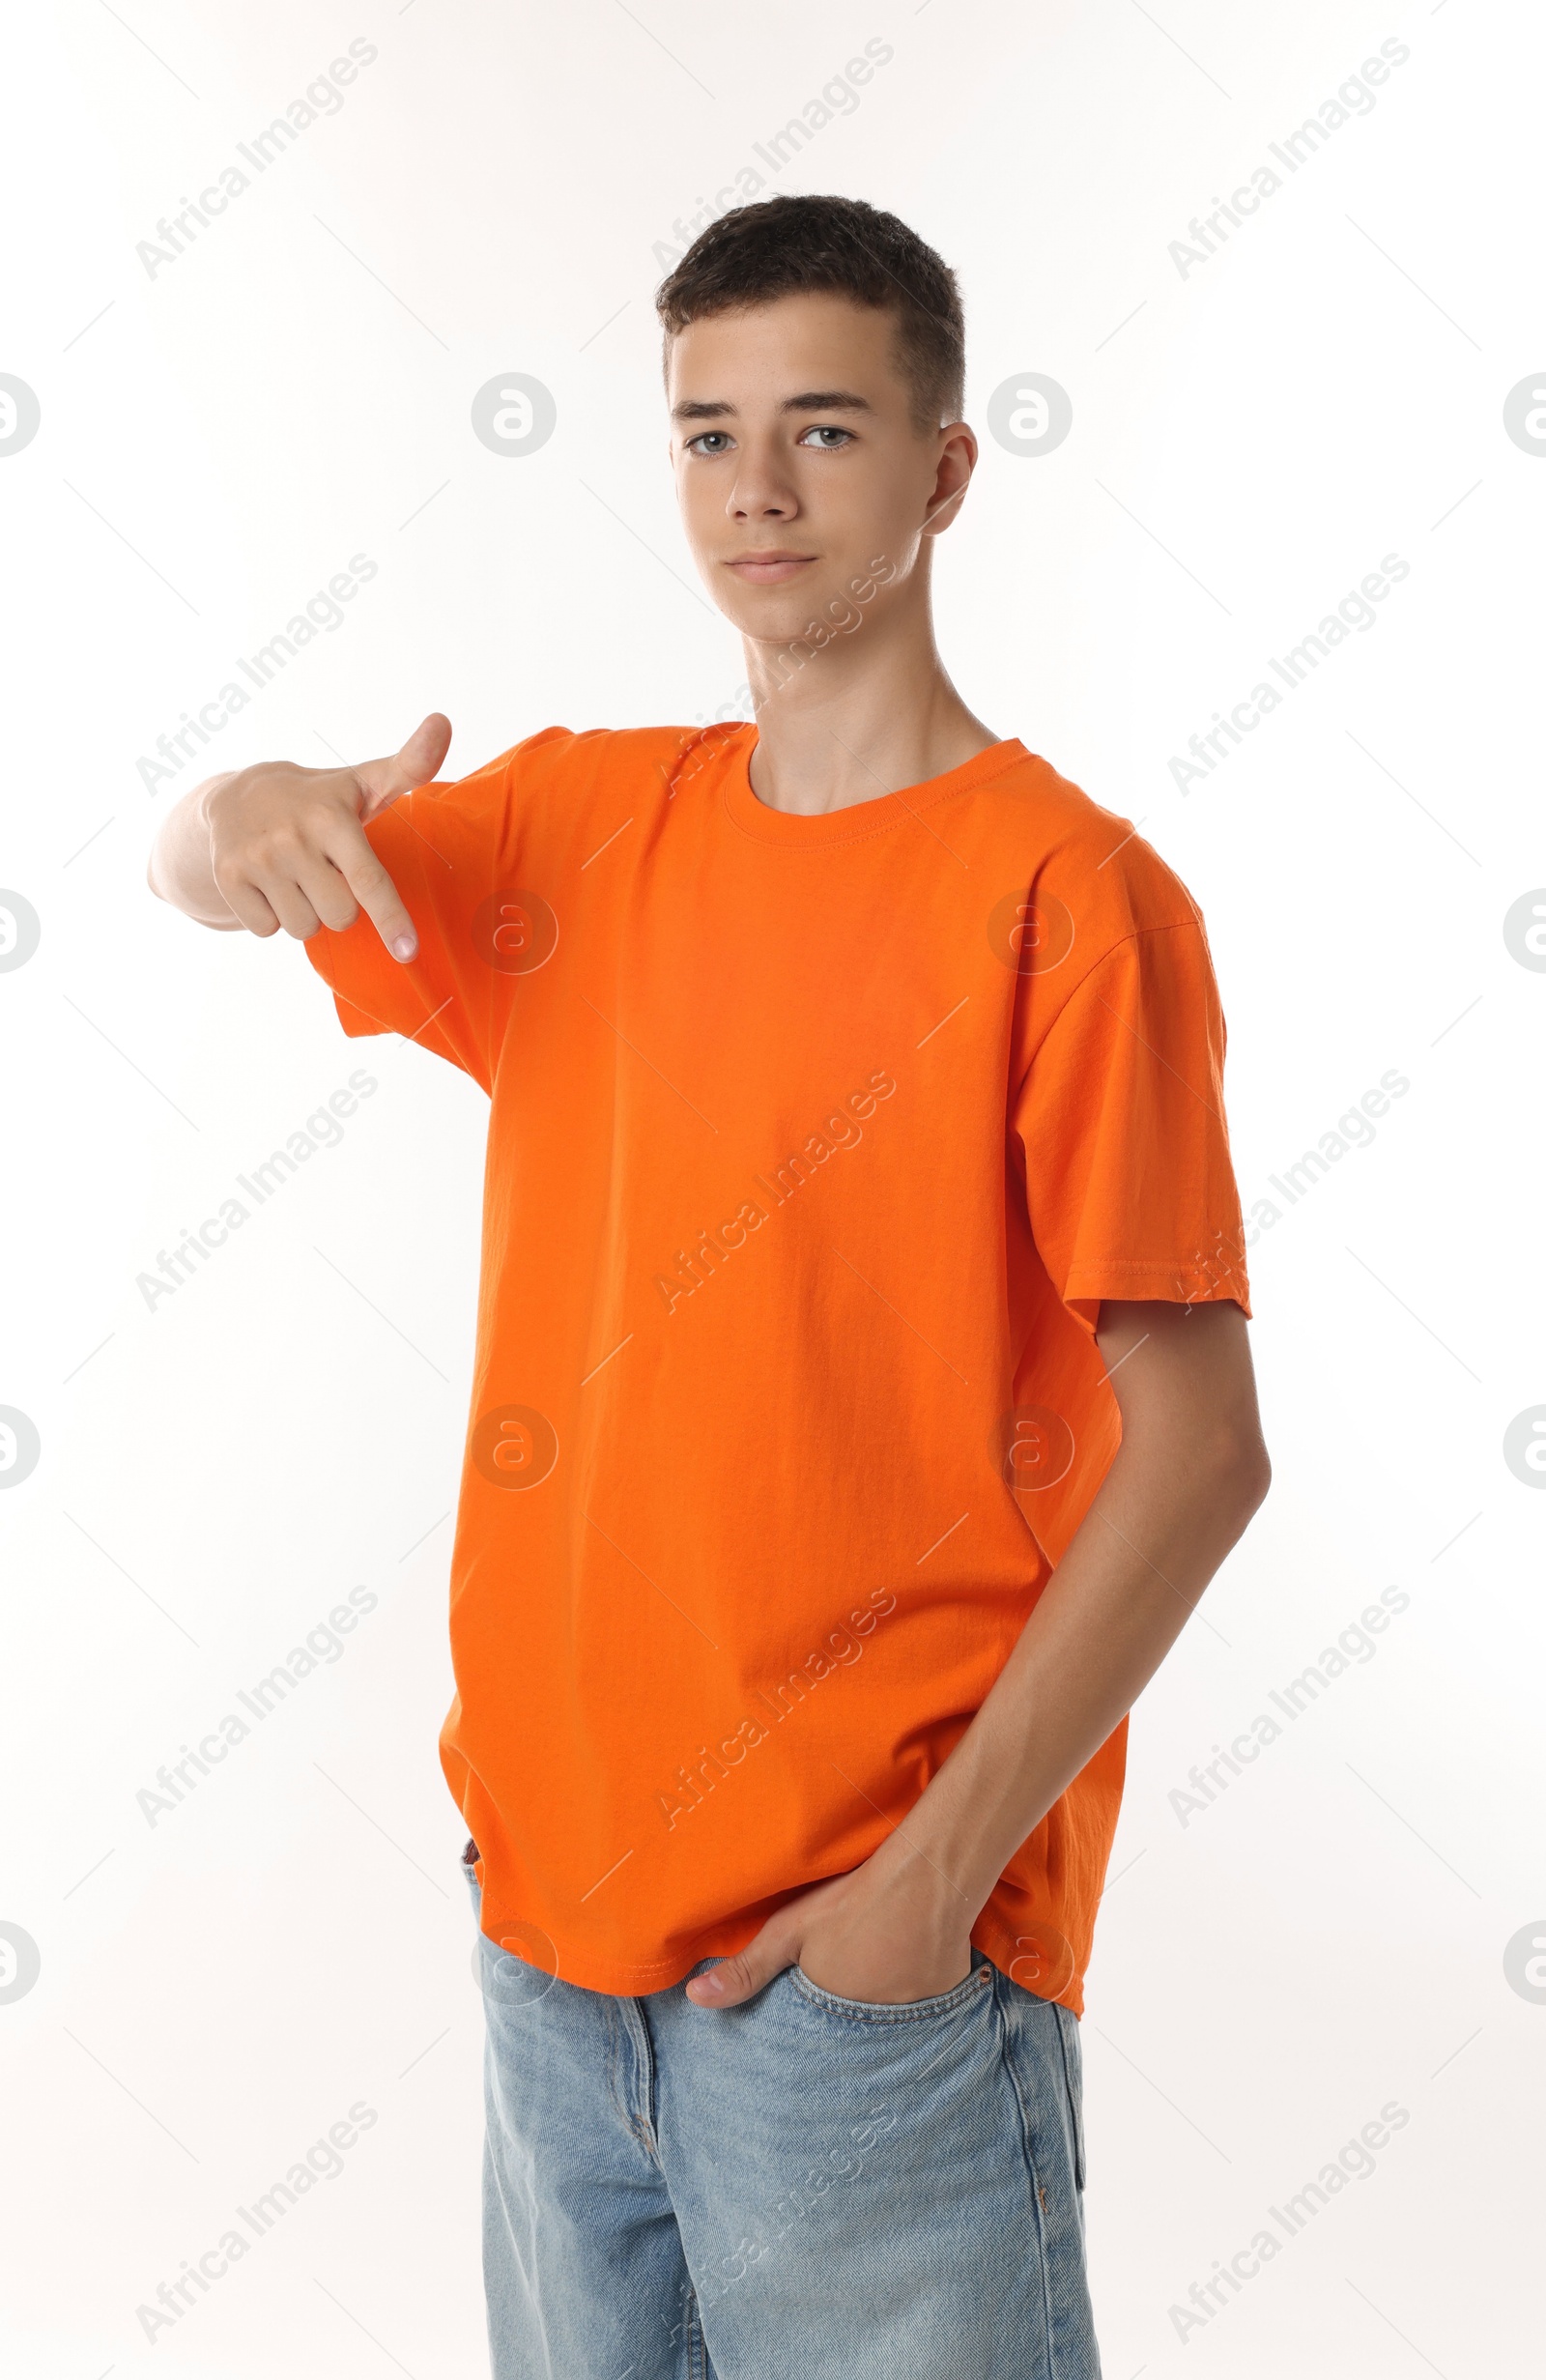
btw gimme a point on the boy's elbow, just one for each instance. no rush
(1255, 1477)
(1241, 1471)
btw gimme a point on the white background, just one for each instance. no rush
(1249, 438)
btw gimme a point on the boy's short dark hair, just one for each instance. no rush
(787, 244)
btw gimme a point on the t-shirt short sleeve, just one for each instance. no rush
(1119, 1115)
(456, 854)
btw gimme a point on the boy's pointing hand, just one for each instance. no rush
(284, 847)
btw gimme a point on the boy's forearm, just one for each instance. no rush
(1186, 1478)
(1158, 1529)
(180, 871)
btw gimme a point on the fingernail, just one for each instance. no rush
(404, 947)
(709, 1983)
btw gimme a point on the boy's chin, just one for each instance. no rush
(774, 615)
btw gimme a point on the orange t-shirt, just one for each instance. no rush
(814, 1144)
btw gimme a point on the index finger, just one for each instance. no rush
(349, 852)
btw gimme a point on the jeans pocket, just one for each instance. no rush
(895, 2012)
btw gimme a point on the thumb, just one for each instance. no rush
(734, 1980)
(414, 765)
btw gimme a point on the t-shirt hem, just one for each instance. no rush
(591, 1974)
(357, 1022)
(1138, 1277)
(665, 1974)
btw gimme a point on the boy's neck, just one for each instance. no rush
(872, 713)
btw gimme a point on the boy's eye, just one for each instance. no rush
(826, 437)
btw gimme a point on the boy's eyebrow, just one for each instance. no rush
(826, 401)
(809, 401)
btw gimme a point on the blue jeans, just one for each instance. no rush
(803, 2188)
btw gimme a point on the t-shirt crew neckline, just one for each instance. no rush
(860, 819)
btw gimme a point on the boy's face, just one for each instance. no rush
(805, 484)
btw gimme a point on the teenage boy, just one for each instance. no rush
(861, 1398)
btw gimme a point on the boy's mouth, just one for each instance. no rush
(767, 569)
